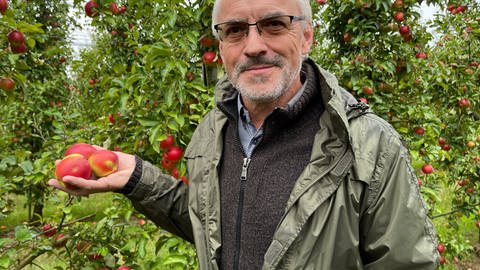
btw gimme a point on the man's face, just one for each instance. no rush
(264, 67)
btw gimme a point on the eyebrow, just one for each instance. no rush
(266, 16)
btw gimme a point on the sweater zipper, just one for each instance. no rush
(238, 226)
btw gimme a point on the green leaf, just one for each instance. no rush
(148, 123)
(175, 259)
(23, 234)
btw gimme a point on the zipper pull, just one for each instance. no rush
(246, 161)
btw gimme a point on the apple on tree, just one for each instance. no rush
(7, 84)
(3, 6)
(427, 169)
(16, 38)
(48, 230)
(114, 8)
(209, 57)
(167, 142)
(399, 17)
(91, 8)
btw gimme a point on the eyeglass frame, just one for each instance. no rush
(291, 17)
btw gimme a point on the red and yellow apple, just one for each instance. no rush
(83, 149)
(103, 162)
(73, 165)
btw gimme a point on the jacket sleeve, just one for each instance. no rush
(396, 232)
(161, 198)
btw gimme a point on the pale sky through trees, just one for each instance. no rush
(81, 37)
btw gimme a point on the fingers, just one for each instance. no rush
(69, 187)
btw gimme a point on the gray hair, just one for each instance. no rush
(305, 8)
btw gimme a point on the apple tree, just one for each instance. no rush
(424, 80)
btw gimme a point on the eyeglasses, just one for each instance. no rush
(236, 31)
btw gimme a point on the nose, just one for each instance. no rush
(254, 43)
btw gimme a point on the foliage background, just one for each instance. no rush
(144, 79)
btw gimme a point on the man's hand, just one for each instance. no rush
(115, 181)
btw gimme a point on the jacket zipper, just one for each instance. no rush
(238, 226)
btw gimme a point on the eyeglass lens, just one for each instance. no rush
(268, 27)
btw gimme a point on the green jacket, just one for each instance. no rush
(356, 205)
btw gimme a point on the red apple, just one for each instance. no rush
(111, 118)
(167, 143)
(442, 260)
(73, 165)
(91, 8)
(398, 4)
(103, 162)
(427, 169)
(48, 230)
(421, 55)
(84, 149)
(175, 173)
(123, 267)
(22, 48)
(123, 9)
(141, 222)
(184, 180)
(92, 81)
(206, 41)
(3, 6)
(419, 130)
(208, 57)
(174, 153)
(7, 84)
(321, 2)
(16, 38)
(347, 37)
(464, 103)
(446, 147)
(367, 90)
(442, 141)
(62, 59)
(398, 16)
(404, 30)
(441, 248)
(167, 164)
(114, 9)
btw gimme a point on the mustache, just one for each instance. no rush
(259, 60)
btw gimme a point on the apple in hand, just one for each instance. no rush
(103, 162)
(83, 149)
(73, 165)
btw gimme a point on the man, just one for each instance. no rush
(288, 171)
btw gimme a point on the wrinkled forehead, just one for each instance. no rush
(255, 9)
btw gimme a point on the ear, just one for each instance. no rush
(308, 38)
